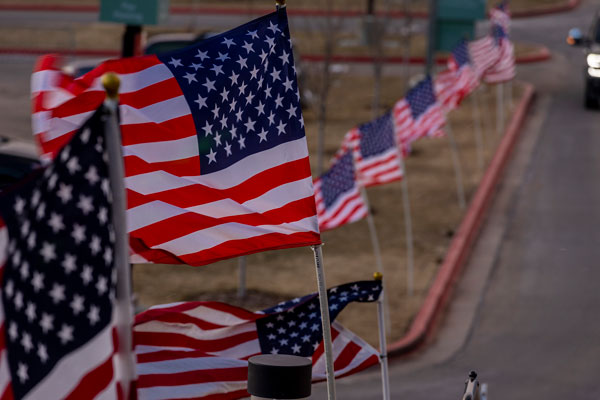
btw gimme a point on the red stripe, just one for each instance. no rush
(321, 349)
(241, 247)
(197, 194)
(238, 394)
(194, 377)
(173, 129)
(339, 209)
(54, 145)
(167, 355)
(184, 167)
(94, 382)
(180, 225)
(346, 356)
(352, 216)
(8, 393)
(168, 339)
(84, 102)
(152, 94)
(181, 318)
(364, 168)
(156, 313)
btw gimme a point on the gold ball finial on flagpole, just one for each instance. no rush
(111, 83)
(280, 4)
(378, 276)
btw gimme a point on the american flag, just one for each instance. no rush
(454, 83)
(58, 277)
(504, 69)
(500, 15)
(484, 54)
(419, 114)
(337, 194)
(216, 160)
(200, 349)
(376, 155)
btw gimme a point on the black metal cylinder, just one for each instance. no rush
(279, 376)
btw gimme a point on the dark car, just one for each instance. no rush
(591, 44)
(17, 159)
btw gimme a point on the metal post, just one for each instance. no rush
(326, 323)
(124, 306)
(460, 187)
(241, 293)
(431, 44)
(478, 133)
(131, 41)
(410, 258)
(385, 376)
(499, 109)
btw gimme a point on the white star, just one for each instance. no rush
(274, 350)
(207, 129)
(65, 153)
(263, 136)
(212, 156)
(355, 287)
(271, 337)
(22, 373)
(18, 301)
(48, 252)
(190, 77)
(302, 325)
(108, 256)
(288, 84)
(52, 181)
(77, 304)
(86, 274)
(275, 74)
(78, 233)
(65, 192)
(270, 41)
(102, 285)
(285, 57)
(175, 62)
(24, 270)
(242, 61)
(41, 211)
(227, 149)
(249, 125)
(215, 111)
(238, 115)
(223, 57)
(223, 122)
(268, 92)
(42, 353)
(314, 327)
(30, 311)
(228, 42)
(260, 108)
(218, 139)
(65, 334)
(105, 186)
(333, 307)
(201, 101)
(13, 332)
(315, 345)
(263, 56)
(57, 293)
(278, 102)
(306, 338)
(248, 47)
(234, 78)
(95, 245)
(69, 263)
(92, 175)
(224, 94)
(271, 118)
(16, 258)
(296, 348)
(242, 88)
(281, 128)
(233, 132)
(73, 165)
(291, 323)
(241, 142)
(85, 204)
(279, 317)
(253, 34)
(283, 342)
(249, 98)
(31, 241)
(273, 27)
(232, 105)
(210, 85)
(94, 315)
(35, 198)
(254, 72)
(202, 55)
(37, 281)
(195, 66)
(217, 69)
(281, 331)
(85, 135)
(261, 81)
(47, 322)
(103, 215)
(292, 111)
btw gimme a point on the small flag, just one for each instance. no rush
(419, 114)
(484, 54)
(458, 80)
(376, 155)
(500, 15)
(504, 68)
(337, 195)
(200, 349)
(215, 153)
(58, 277)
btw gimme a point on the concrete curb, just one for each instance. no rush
(567, 6)
(440, 292)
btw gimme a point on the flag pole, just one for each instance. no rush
(385, 376)
(500, 108)
(410, 258)
(124, 306)
(326, 323)
(241, 293)
(460, 187)
(479, 141)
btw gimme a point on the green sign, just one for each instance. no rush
(461, 9)
(450, 32)
(134, 12)
(456, 20)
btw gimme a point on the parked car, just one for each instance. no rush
(17, 159)
(591, 45)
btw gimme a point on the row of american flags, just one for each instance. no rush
(216, 166)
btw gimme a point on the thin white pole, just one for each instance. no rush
(318, 253)
(460, 187)
(241, 293)
(509, 94)
(124, 306)
(499, 109)
(410, 258)
(385, 376)
(479, 141)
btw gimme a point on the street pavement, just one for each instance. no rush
(525, 313)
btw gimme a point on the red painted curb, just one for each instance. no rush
(569, 5)
(441, 290)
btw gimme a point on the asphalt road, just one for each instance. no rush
(525, 314)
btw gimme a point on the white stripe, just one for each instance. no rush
(168, 150)
(150, 213)
(154, 182)
(39, 121)
(215, 316)
(4, 371)
(3, 246)
(208, 238)
(194, 363)
(67, 373)
(56, 97)
(157, 112)
(110, 393)
(144, 349)
(242, 350)
(58, 127)
(135, 81)
(44, 80)
(189, 391)
(193, 331)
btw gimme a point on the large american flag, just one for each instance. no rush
(200, 349)
(58, 277)
(484, 53)
(504, 68)
(419, 114)
(337, 194)
(216, 160)
(454, 83)
(376, 155)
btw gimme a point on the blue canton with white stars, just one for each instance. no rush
(460, 53)
(58, 282)
(377, 136)
(294, 327)
(242, 91)
(499, 34)
(338, 180)
(421, 97)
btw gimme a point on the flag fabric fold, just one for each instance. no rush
(57, 314)
(504, 68)
(215, 153)
(201, 349)
(454, 83)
